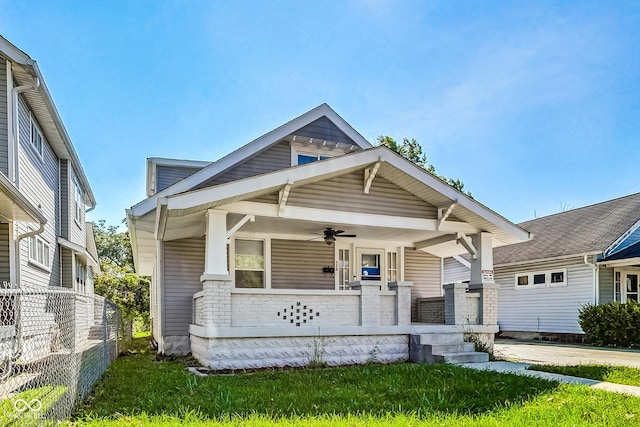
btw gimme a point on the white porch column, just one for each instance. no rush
(216, 281)
(369, 301)
(482, 280)
(403, 301)
(216, 244)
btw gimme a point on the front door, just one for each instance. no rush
(370, 264)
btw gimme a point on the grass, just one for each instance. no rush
(139, 391)
(612, 374)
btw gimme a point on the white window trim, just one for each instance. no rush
(623, 285)
(267, 259)
(34, 261)
(547, 282)
(312, 150)
(34, 124)
(79, 204)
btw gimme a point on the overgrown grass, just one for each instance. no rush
(139, 391)
(612, 374)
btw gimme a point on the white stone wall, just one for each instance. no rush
(246, 353)
(198, 306)
(260, 309)
(388, 309)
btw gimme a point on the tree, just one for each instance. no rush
(118, 280)
(411, 150)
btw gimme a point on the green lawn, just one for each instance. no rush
(139, 391)
(612, 374)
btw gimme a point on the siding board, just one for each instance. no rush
(4, 253)
(39, 182)
(544, 309)
(275, 158)
(345, 193)
(606, 285)
(166, 175)
(454, 271)
(423, 270)
(324, 129)
(298, 265)
(183, 266)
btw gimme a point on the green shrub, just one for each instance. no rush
(612, 324)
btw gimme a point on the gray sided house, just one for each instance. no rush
(589, 255)
(309, 243)
(44, 193)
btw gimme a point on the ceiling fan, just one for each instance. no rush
(330, 235)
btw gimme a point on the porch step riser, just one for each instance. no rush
(453, 350)
(434, 339)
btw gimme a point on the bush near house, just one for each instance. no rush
(612, 324)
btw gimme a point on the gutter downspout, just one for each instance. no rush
(13, 162)
(596, 279)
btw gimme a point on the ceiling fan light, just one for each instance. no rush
(329, 240)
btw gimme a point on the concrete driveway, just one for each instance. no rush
(564, 354)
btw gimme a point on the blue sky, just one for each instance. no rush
(535, 105)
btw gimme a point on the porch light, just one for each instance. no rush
(329, 240)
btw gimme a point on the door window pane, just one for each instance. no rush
(370, 267)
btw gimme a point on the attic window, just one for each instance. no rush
(304, 158)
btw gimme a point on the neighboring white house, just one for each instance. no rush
(308, 242)
(44, 194)
(589, 255)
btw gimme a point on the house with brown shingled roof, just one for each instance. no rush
(589, 255)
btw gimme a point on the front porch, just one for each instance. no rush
(254, 328)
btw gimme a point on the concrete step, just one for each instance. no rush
(436, 338)
(463, 347)
(465, 357)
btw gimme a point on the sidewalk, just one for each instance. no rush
(519, 368)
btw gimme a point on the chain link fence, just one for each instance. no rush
(54, 344)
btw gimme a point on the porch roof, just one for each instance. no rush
(181, 215)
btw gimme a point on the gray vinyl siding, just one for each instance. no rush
(277, 157)
(605, 293)
(4, 253)
(39, 182)
(298, 265)
(4, 119)
(183, 266)
(65, 200)
(77, 229)
(345, 193)
(166, 175)
(423, 270)
(544, 309)
(454, 271)
(324, 129)
(67, 267)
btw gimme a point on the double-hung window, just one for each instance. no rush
(36, 136)
(249, 263)
(79, 202)
(39, 252)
